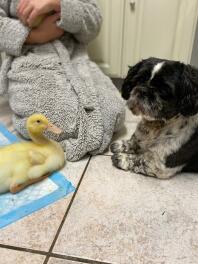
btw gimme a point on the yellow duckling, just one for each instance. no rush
(38, 21)
(24, 163)
(41, 18)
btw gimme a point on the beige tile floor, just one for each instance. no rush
(8, 256)
(114, 217)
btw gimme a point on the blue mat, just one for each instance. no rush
(16, 206)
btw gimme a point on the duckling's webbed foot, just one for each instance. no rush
(19, 178)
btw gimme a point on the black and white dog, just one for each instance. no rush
(165, 94)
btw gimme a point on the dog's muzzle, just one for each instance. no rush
(135, 106)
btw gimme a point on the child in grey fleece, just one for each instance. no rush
(56, 77)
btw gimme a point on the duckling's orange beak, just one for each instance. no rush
(54, 129)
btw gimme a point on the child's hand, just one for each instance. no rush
(46, 32)
(29, 10)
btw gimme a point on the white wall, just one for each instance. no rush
(194, 58)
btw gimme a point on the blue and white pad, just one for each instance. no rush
(16, 206)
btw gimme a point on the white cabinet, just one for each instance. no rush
(137, 29)
(106, 50)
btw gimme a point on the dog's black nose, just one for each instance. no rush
(126, 95)
(126, 90)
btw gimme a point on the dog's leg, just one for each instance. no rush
(146, 164)
(123, 146)
(130, 146)
(134, 145)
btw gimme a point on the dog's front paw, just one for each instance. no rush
(116, 147)
(121, 161)
(120, 147)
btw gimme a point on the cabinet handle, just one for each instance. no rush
(132, 4)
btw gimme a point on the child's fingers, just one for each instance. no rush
(21, 6)
(32, 17)
(26, 13)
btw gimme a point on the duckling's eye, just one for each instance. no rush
(38, 121)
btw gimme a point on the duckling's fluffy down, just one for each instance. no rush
(58, 80)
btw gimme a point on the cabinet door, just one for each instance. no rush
(158, 28)
(106, 50)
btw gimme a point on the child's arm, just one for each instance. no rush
(12, 32)
(81, 18)
(29, 10)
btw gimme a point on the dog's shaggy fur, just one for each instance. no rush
(165, 94)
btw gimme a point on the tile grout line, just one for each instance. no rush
(54, 255)
(33, 251)
(66, 213)
(88, 261)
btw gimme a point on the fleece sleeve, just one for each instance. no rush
(82, 18)
(12, 32)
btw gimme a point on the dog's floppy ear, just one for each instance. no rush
(129, 82)
(188, 91)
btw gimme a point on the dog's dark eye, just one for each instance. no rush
(163, 95)
(165, 92)
(157, 81)
(143, 76)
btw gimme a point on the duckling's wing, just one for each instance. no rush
(36, 157)
(12, 157)
(31, 156)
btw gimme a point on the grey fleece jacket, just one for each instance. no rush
(59, 80)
